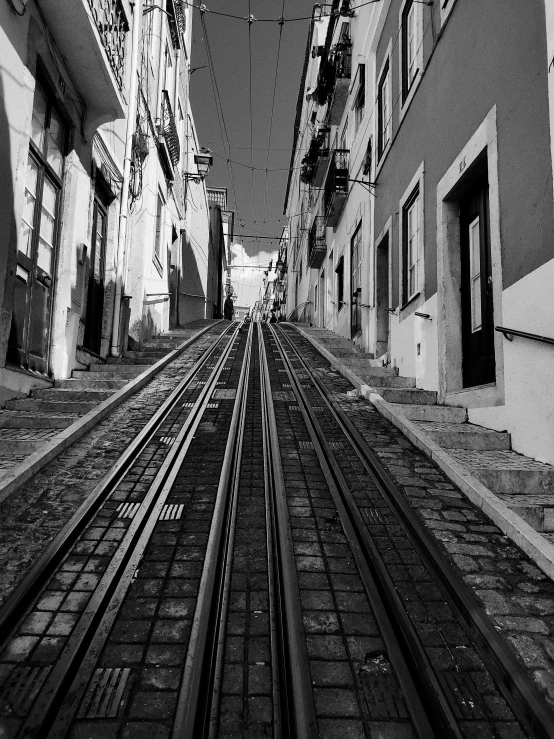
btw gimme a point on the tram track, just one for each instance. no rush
(438, 699)
(250, 517)
(52, 692)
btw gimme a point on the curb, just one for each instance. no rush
(15, 477)
(539, 549)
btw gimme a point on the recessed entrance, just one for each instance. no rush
(382, 297)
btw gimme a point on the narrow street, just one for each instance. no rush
(259, 553)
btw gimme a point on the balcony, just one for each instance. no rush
(317, 243)
(169, 147)
(336, 187)
(322, 163)
(343, 73)
(92, 36)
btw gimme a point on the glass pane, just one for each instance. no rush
(475, 274)
(28, 217)
(98, 267)
(47, 227)
(39, 117)
(55, 143)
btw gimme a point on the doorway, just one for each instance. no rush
(29, 341)
(382, 297)
(478, 358)
(322, 296)
(356, 281)
(92, 339)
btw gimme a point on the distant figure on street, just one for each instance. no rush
(273, 317)
(228, 308)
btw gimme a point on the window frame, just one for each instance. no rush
(385, 75)
(159, 227)
(360, 98)
(408, 86)
(413, 195)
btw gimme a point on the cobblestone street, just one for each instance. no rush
(266, 555)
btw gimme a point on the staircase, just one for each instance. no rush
(27, 424)
(525, 485)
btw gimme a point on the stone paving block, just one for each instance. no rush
(233, 679)
(259, 680)
(336, 702)
(332, 674)
(320, 622)
(161, 655)
(123, 655)
(325, 647)
(95, 730)
(153, 705)
(145, 730)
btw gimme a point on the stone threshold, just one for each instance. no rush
(538, 547)
(13, 478)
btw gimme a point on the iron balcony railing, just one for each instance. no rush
(317, 243)
(112, 26)
(167, 131)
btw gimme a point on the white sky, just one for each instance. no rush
(247, 282)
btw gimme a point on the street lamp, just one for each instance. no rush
(203, 161)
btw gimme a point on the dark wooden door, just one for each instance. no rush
(29, 341)
(97, 272)
(356, 281)
(382, 297)
(478, 362)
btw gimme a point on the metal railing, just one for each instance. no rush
(112, 26)
(168, 130)
(509, 333)
(317, 242)
(337, 177)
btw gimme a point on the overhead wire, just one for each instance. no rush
(204, 9)
(250, 21)
(281, 24)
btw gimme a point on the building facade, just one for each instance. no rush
(96, 137)
(425, 219)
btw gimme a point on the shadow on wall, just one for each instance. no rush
(192, 295)
(8, 229)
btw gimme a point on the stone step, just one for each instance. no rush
(91, 383)
(381, 381)
(20, 446)
(64, 396)
(536, 510)
(508, 473)
(121, 361)
(465, 436)
(160, 345)
(151, 354)
(408, 395)
(360, 363)
(111, 371)
(19, 420)
(437, 413)
(50, 406)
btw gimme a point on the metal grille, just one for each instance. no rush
(127, 510)
(169, 440)
(104, 694)
(112, 26)
(373, 516)
(305, 445)
(171, 512)
(22, 687)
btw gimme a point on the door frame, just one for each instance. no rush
(100, 203)
(481, 150)
(382, 314)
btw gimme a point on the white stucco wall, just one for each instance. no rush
(528, 368)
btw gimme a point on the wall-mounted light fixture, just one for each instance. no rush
(203, 161)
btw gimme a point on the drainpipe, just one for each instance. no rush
(124, 210)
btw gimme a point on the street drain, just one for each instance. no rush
(305, 445)
(171, 512)
(22, 687)
(336, 445)
(127, 510)
(293, 408)
(104, 694)
(169, 440)
(188, 405)
(373, 516)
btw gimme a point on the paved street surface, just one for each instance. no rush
(247, 548)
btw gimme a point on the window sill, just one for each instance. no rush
(407, 309)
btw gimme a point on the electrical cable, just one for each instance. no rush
(250, 21)
(203, 9)
(273, 106)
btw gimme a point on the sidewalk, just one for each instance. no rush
(514, 491)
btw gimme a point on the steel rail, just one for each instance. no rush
(28, 591)
(197, 712)
(296, 701)
(426, 703)
(513, 681)
(55, 706)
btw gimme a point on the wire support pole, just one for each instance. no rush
(121, 250)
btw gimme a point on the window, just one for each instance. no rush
(475, 275)
(411, 246)
(411, 58)
(339, 269)
(344, 136)
(359, 104)
(356, 256)
(159, 232)
(384, 109)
